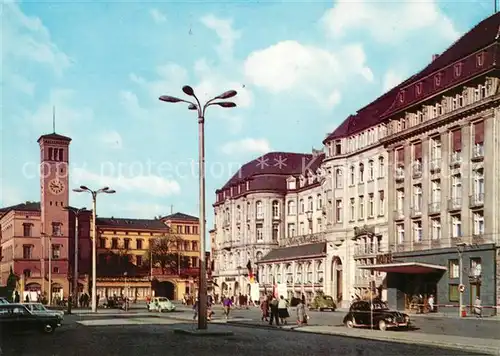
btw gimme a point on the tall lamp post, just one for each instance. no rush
(200, 109)
(77, 213)
(460, 250)
(94, 194)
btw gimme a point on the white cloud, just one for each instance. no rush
(170, 77)
(158, 16)
(292, 66)
(131, 103)
(111, 139)
(145, 184)
(246, 145)
(224, 30)
(26, 38)
(391, 79)
(18, 83)
(389, 21)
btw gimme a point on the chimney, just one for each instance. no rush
(434, 57)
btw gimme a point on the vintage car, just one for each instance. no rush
(39, 308)
(3, 301)
(322, 302)
(375, 314)
(160, 304)
(15, 318)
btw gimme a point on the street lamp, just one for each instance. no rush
(460, 249)
(202, 288)
(94, 194)
(77, 213)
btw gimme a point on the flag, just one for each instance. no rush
(250, 272)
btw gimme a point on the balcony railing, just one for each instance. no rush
(477, 153)
(454, 204)
(434, 208)
(435, 165)
(400, 174)
(416, 211)
(368, 250)
(476, 200)
(398, 214)
(455, 159)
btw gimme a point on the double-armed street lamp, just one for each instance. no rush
(200, 109)
(94, 193)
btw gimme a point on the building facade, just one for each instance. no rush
(397, 201)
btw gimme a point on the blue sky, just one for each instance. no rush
(299, 67)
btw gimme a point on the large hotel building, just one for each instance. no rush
(402, 192)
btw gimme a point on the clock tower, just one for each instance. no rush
(54, 187)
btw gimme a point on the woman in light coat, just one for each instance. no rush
(301, 313)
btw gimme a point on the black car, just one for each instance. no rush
(375, 314)
(15, 318)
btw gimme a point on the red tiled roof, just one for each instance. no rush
(54, 136)
(481, 36)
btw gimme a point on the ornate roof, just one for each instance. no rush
(459, 63)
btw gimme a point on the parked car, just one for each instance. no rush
(3, 301)
(375, 314)
(16, 318)
(322, 302)
(161, 304)
(39, 308)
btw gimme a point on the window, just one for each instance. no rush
(417, 231)
(276, 210)
(302, 228)
(400, 203)
(381, 203)
(453, 292)
(400, 230)
(238, 213)
(478, 223)
(338, 211)
(259, 232)
(291, 208)
(436, 229)
(114, 243)
(195, 230)
(456, 226)
(291, 230)
(417, 198)
(371, 209)
(138, 261)
(56, 229)
(435, 148)
(319, 204)
(187, 230)
(352, 175)
(126, 244)
(478, 189)
(361, 173)
(259, 210)
(319, 225)
(338, 178)
(310, 205)
(194, 245)
(476, 267)
(456, 187)
(56, 251)
(27, 230)
(178, 228)
(371, 170)
(102, 243)
(27, 252)
(276, 232)
(292, 184)
(361, 207)
(381, 167)
(352, 208)
(436, 191)
(302, 207)
(55, 270)
(138, 244)
(454, 268)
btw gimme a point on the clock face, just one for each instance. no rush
(56, 186)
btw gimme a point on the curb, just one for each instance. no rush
(201, 333)
(463, 347)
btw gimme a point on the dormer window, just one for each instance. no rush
(457, 70)
(338, 148)
(480, 59)
(292, 184)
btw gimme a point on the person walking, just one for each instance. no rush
(227, 304)
(274, 312)
(478, 309)
(195, 309)
(430, 302)
(264, 307)
(301, 313)
(283, 310)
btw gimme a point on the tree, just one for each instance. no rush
(164, 252)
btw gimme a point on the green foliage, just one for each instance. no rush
(165, 255)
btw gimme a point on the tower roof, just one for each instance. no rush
(54, 136)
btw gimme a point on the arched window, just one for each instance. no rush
(258, 256)
(361, 172)
(278, 274)
(352, 175)
(310, 204)
(371, 170)
(319, 200)
(238, 213)
(309, 273)
(231, 261)
(302, 206)
(381, 167)
(298, 273)
(291, 207)
(319, 272)
(259, 210)
(289, 274)
(276, 209)
(338, 178)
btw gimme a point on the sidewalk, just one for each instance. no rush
(488, 346)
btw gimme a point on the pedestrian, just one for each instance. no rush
(227, 303)
(274, 312)
(301, 313)
(283, 310)
(264, 307)
(478, 309)
(430, 302)
(195, 309)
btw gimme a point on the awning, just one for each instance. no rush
(405, 267)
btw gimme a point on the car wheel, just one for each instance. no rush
(350, 323)
(382, 325)
(48, 329)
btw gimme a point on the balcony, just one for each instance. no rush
(435, 165)
(454, 204)
(417, 170)
(477, 153)
(366, 250)
(416, 211)
(400, 174)
(434, 208)
(476, 200)
(456, 159)
(302, 239)
(399, 214)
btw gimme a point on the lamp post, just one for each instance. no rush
(200, 109)
(94, 193)
(77, 213)
(460, 250)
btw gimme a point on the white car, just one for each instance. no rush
(39, 308)
(161, 304)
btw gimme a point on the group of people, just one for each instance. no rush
(276, 310)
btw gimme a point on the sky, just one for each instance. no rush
(299, 67)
